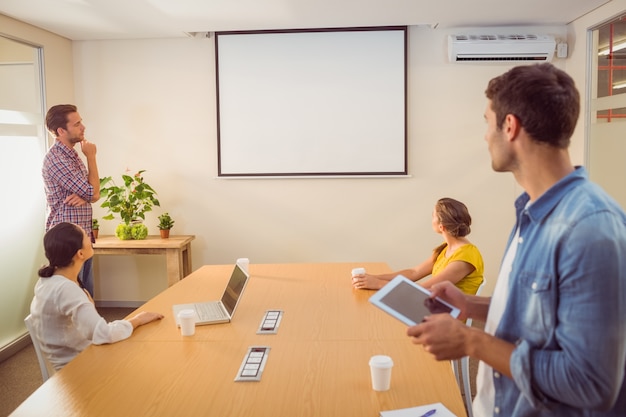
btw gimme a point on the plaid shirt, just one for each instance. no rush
(65, 174)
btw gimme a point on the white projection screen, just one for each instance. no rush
(313, 102)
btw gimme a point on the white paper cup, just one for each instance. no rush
(244, 263)
(380, 368)
(187, 319)
(358, 271)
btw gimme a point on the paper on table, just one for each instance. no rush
(442, 411)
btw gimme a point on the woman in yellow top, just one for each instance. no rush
(456, 260)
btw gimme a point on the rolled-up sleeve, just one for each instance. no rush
(521, 369)
(581, 361)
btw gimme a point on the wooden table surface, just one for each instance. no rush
(150, 242)
(176, 248)
(317, 364)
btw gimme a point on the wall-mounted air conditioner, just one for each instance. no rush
(536, 48)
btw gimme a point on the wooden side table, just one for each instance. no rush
(177, 251)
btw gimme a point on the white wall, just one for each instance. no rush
(150, 104)
(146, 101)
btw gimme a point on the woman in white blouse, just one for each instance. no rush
(64, 316)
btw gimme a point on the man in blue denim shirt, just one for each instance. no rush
(555, 334)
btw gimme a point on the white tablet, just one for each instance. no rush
(410, 302)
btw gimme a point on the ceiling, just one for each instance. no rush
(133, 19)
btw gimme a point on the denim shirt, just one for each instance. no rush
(566, 310)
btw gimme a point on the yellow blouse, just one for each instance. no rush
(466, 253)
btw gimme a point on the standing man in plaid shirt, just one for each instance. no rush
(70, 186)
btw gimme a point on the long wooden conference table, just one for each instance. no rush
(317, 363)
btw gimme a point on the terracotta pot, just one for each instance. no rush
(164, 233)
(95, 233)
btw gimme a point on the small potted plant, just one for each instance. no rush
(165, 224)
(95, 227)
(131, 201)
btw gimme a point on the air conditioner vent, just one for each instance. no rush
(502, 58)
(498, 47)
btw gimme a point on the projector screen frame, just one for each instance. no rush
(351, 156)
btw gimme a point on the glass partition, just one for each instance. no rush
(22, 147)
(606, 141)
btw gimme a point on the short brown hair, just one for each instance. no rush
(542, 97)
(57, 117)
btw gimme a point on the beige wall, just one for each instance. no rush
(12, 51)
(150, 104)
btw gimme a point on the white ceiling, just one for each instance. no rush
(129, 19)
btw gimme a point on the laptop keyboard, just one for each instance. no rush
(210, 311)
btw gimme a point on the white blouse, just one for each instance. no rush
(65, 321)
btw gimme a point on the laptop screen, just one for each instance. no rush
(233, 289)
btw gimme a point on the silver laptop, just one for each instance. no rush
(222, 311)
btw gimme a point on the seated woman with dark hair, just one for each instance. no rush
(64, 317)
(456, 260)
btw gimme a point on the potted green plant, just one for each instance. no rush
(165, 224)
(95, 227)
(131, 202)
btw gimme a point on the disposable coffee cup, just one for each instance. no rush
(187, 319)
(244, 263)
(380, 368)
(358, 271)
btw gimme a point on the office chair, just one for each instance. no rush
(46, 368)
(460, 367)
